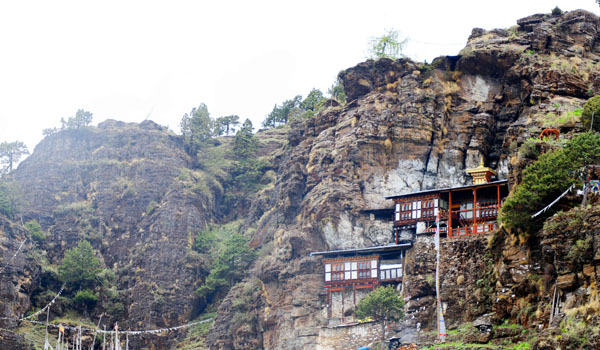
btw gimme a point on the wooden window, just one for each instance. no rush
(364, 269)
(373, 268)
(354, 270)
(416, 209)
(337, 272)
(405, 211)
(430, 207)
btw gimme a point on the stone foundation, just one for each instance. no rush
(348, 337)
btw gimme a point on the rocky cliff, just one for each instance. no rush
(133, 192)
(410, 126)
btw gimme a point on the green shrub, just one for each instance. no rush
(6, 203)
(591, 107)
(556, 11)
(529, 150)
(546, 179)
(205, 240)
(522, 346)
(86, 298)
(151, 207)
(35, 230)
(229, 266)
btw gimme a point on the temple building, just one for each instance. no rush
(462, 210)
(350, 274)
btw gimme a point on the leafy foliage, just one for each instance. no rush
(382, 304)
(245, 144)
(337, 92)
(8, 197)
(82, 118)
(80, 266)
(6, 207)
(388, 45)
(197, 128)
(10, 153)
(581, 253)
(281, 114)
(226, 124)
(557, 11)
(295, 108)
(248, 170)
(228, 267)
(35, 230)
(591, 108)
(205, 240)
(86, 297)
(312, 103)
(547, 178)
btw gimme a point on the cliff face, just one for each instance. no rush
(407, 127)
(130, 190)
(133, 192)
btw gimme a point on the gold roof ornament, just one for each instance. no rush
(481, 174)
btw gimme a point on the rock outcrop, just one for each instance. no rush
(138, 197)
(408, 127)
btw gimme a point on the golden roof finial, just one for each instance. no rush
(481, 174)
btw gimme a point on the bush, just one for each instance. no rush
(35, 230)
(86, 298)
(205, 240)
(557, 11)
(591, 107)
(529, 150)
(6, 201)
(229, 266)
(546, 179)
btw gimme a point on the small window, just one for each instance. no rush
(363, 269)
(338, 272)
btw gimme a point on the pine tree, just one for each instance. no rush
(197, 128)
(11, 153)
(382, 304)
(245, 143)
(387, 45)
(79, 266)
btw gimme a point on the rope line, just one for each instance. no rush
(14, 256)
(135, 332)
(553, 202)
(47, 306)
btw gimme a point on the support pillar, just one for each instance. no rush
(474, 210)
(449, 213)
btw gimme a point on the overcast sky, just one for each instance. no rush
(132, 60)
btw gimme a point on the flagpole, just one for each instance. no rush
(440, 317)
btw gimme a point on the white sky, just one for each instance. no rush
(130, 59)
